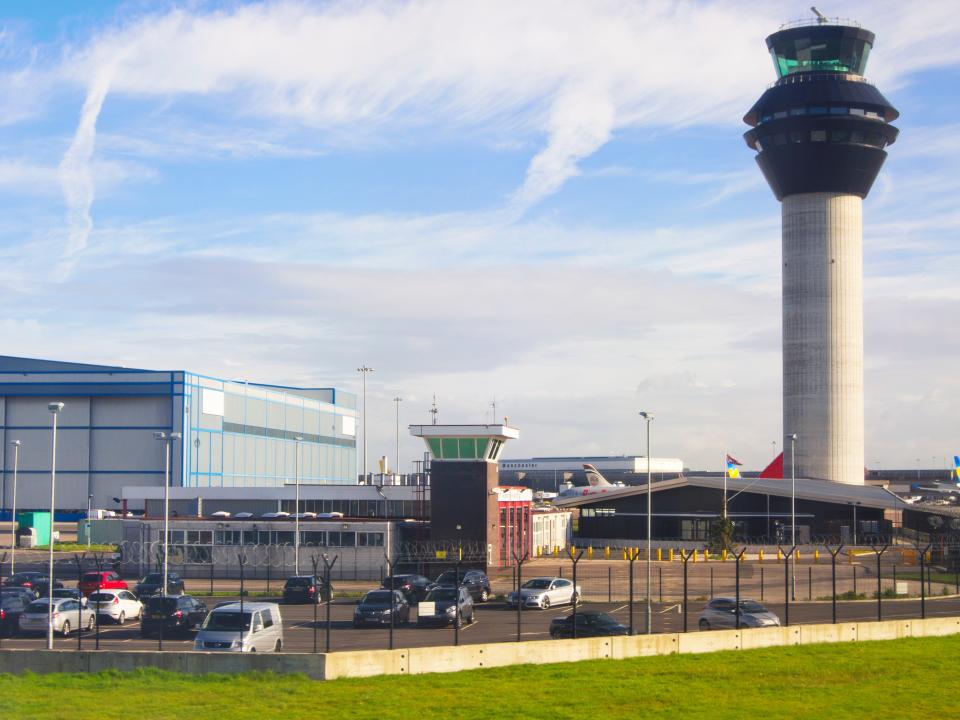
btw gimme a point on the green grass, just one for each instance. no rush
(812, 681)
(937, 577)
(78, 548)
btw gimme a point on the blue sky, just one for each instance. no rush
(549, 203)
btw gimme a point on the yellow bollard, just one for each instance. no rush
(659, 554)
(849, 558)
(723, 555)
(706, 555)
(694, 555)
(760, 556)
(816, 556)
(796, 555)
(779, 556)
(589, 552)
(556, 551)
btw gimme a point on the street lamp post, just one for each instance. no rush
(793, 512)
(398, 400)
(296, 509)
(649, 418)
(89, 508)
(167, 439)
(54, 408)
(13, 517)
(364, 370)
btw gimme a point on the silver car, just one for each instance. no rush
(721, 612)
(543, 592)
(258, 628)
(68, 615)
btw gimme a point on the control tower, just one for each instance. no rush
(820, 133)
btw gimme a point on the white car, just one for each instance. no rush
(258, 628)
(68, 615)
(118, 605)
(544, 592)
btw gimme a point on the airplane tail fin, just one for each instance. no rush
(956, 467)
(594, 478)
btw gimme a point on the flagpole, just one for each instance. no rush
(725, 473)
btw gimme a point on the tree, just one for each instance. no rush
(721, 535)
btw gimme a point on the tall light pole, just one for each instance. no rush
(54, 408)
(296, 507)
(167, 439)
(363, 370)
(793, 512)
(398, 400)
(13, 517)
(649, 418)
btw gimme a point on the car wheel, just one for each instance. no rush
(90, 624)
(278, 646)
(471, 618)
(121, 618)
(704, 625)
(545, 603)
(65, 628)
(484, 595)
(139, 615)
(575, 599)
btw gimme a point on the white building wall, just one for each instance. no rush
(823, 334)
(550, 530)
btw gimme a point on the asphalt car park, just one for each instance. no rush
(495, 622)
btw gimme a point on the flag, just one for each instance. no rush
(956, 466)
(732, 464)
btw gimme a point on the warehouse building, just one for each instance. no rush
(225, 433)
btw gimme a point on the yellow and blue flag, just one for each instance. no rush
(732, 465)
(956, 467)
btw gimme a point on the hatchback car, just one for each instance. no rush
(440, 607)
(589, 624)
(722, 613)
(252, 627)
(106, 580)
(73, 593)
(305, 589)
(174, 615)
(12, 606)
(68, 614)
(117, 605)
(413, 587)
(545, 592)
(378, 607)
(153, 583)
(475, 581)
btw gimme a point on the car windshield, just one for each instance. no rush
(296, 582)
(91, 577)
(227, 620)
(397, 581)
(376, 598)
(442, 594)
(448, 577)
(101, 597)
(38, 607)
(160, 604)
(751, 606)
(537, 584)
(152, 579)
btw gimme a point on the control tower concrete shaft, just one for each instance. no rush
(820, 133)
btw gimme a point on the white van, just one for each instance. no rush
(257, 627)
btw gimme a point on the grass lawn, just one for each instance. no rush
(889, 679)
(77, 548)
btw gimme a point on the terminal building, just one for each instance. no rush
(227, 433)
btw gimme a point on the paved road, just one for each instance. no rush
(494, 623)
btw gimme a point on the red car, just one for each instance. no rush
(107, 580)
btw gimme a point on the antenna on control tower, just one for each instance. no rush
(433, 410)
(821, 18)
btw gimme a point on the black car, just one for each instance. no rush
(376, 608)
(176, 614)
(25, 594)
(305, 589)
(413, 587)
(11, 606)
(151, 584)
(589, 624)
(475, 581)
(38, 582)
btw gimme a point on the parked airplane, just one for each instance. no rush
(597, 484)
(942, 487)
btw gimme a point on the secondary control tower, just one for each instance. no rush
(820, 133)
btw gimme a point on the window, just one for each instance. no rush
(818, 110)
(227, 537)
(267, 618)
(858, 111)
(199, 537)
(779, 139)
(779, 114)
(370, 539)
(839, 136)
(313, 538)
(341, 539)
(796, 136)
(839, 111)
(818, 135)
(798, 111)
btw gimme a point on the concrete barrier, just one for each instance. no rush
(366, 663)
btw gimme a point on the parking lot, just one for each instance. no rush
(495, 622)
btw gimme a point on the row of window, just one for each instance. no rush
(324, 538)
(821, 110)
(361, 508)
(857, 137)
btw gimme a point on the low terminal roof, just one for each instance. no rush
(817, 490)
